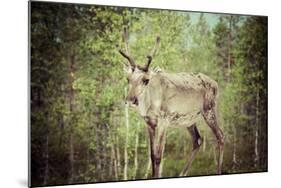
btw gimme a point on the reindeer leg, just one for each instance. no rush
(151, 131)
(157, 144)
(196, 141)
(211, 119)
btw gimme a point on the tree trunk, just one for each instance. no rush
(257, 156)
(148, 160)
(46, 173)
(126, 141)
(136, 151)
(148, 168)
(61, 125)
(104, 161)
(114, 167)
(89, 134)
(115, 145)
(71, 109)
(71, 159)
(112, 157)
(234, 157)
(88, 160)
(229, 49)
(98, 151)
(118, 157)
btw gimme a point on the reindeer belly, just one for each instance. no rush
(182, 108)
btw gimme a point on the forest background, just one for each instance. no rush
(79, 132)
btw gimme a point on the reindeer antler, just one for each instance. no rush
(151, 55)
(126, 54)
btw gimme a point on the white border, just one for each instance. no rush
(13, 93)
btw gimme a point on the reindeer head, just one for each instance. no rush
(138, 76)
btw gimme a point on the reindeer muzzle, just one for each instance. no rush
(133, 100)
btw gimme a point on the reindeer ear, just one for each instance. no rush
(127, 68)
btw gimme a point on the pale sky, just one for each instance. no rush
(211, 19)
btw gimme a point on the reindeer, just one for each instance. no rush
(171, 100)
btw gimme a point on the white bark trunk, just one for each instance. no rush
(148, 159)
(234, 157)
(229, 49)
(112, 158)
(136, 150)
(114, 147)
(126, 141)
(115, 165)
(118, 156)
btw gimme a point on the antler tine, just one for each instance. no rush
(151, 55)
(126, 54)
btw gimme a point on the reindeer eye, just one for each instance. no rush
(145, 81)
